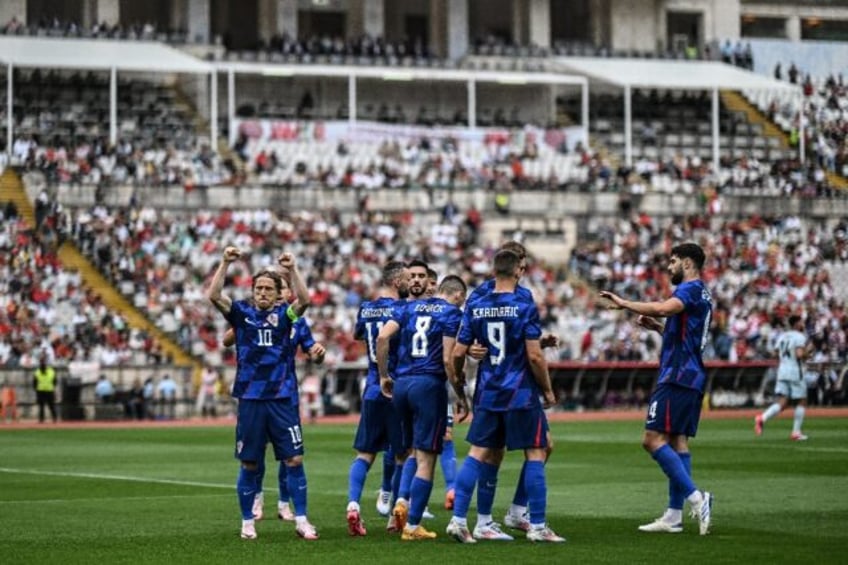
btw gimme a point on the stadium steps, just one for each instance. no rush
(12, 189)
(736, 102)
(72, 258)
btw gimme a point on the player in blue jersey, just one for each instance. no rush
(379, 426)
(264, 383)
(301, 337)
(448, 456)
(517, 516)
(507, 410)
(791, 348)
(675, 405)
(426, 331)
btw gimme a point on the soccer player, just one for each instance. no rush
(791, 349)
(675, 405)
(264, 384)
(448, 456)
(426, 332)
(379, 425)
(301, 337)
(517, 516)
(507, 410)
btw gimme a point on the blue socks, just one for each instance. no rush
(676, 496)
(448, 460)
(246, 490)
(520, 497)
(464, 486)
(297, 489)
(388, 471)
(537, 490)
(260, 475)
(409, 468)
(420, 491)
(396, 477)
(356, 479)
(671, 464)
(486, 486)
(282, 482)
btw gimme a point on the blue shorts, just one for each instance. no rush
(422, 405)
(263, 421)
(379, 427)
(674, 410)
(513, 429)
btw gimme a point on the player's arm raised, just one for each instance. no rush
(301, 293)
(215, 293)
(384, 338)
(539, 367)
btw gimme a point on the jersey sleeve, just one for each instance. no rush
(236, 314)
(359, 327)
(800, 340)
(532, 322)
(453, 320)
(464, 333)
(304, 336)
(687, 294)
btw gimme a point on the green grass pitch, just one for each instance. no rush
(167, 495)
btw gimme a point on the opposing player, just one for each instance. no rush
(264, 385)
(427, 332)
(792, 350)
(675, 405)
(507, 410)
(379, 425)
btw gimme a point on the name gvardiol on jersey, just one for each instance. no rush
(495, 312)
(377, 312)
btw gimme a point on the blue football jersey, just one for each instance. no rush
(423, 326)
(370, 320)
(502, 322)
(301, 336)
(488, 287)
(685, 336)
(263, 351)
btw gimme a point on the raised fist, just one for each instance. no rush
(231, 254)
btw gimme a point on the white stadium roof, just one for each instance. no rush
(91, 54)
(665, 74)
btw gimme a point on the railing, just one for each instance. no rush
(579, 385)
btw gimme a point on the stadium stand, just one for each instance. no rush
(412, 186)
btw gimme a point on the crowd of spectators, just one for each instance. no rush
(336, 49)
(759, 270)
(825, 110)
(54, 27)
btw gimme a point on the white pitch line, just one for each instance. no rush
(114, 478)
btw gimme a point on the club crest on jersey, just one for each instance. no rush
(273, 319)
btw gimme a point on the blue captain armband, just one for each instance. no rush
(291, 314)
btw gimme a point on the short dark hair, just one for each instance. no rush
(505, 263)
(691, 251)
(794, 319)
(392, 271)
(432, 274)
(417, 263)
(452, 284)
(516, 248)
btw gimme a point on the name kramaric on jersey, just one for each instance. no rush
(495, 312)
